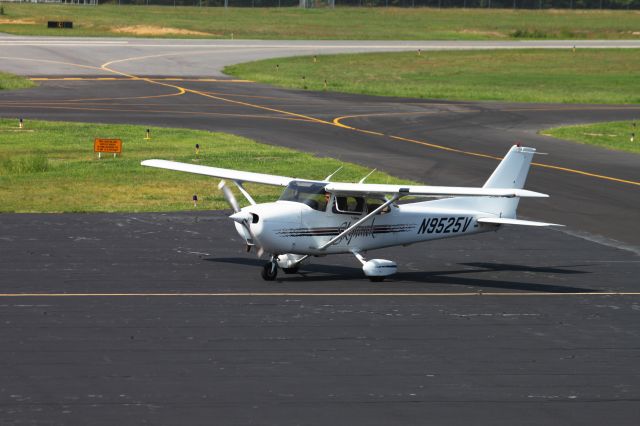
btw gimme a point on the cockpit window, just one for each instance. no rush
(347, 204)
(309, 193)
(374, 203)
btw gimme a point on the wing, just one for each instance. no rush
(230, 174)
(428, 191)
(507, 221)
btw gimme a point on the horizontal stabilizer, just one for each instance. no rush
(507, 221)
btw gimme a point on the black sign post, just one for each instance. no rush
(59, 24)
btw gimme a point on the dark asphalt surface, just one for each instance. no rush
(489, 355)
(503, 328)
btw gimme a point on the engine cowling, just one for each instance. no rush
(379, 268)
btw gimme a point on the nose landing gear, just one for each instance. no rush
(270, 269)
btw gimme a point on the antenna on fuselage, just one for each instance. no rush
(331, 175)
(365, 178)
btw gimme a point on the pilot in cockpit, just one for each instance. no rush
(327, 198)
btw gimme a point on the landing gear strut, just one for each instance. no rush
(270, 269)
(376, 269)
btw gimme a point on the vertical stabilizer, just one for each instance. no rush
(510, 173)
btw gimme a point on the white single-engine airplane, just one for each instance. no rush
(317, 218)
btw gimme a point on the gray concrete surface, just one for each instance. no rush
(49, 56)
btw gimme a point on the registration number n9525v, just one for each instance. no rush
(444, 225)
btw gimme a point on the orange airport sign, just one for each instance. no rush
(107, 145)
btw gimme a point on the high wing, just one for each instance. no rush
(429, 191)
(509, 221)
(235, 175)
(343, 187)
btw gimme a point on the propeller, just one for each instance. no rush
(243, 218)
(228, 195)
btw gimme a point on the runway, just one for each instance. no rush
(163, 319)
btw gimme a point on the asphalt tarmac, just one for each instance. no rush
(163, 318)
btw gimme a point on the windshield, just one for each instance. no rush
(309, 193)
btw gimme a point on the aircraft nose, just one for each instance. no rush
(268, 221)
(242, 216)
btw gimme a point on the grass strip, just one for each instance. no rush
(347, 23)
(51, 167)
(13, 82)
(613, 135)
(565, 76)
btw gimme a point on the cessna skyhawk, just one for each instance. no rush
(317, 218)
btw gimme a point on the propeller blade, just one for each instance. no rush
(243, 218)
(246, 224)
(228, 195)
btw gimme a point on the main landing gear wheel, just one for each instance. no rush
(290, 270)
(376, 279)
(270, 271)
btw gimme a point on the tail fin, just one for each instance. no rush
(512, 170)
(510, 173)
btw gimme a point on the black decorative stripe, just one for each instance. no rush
(333, 231)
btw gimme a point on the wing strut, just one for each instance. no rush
(364, 219)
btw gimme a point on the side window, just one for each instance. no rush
(348, 205)
(374, 203)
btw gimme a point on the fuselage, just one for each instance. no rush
(295, 227)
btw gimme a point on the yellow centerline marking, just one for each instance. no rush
(580, 172)
(446, 148)
(106, 66)
(91, 68)
(294, 294)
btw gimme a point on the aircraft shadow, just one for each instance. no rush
(454, 277)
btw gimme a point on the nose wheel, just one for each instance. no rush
(270, 270)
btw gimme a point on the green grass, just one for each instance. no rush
(583, 76)
(341, 23)
(12, 82)
(51, 167)
(612, 135)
